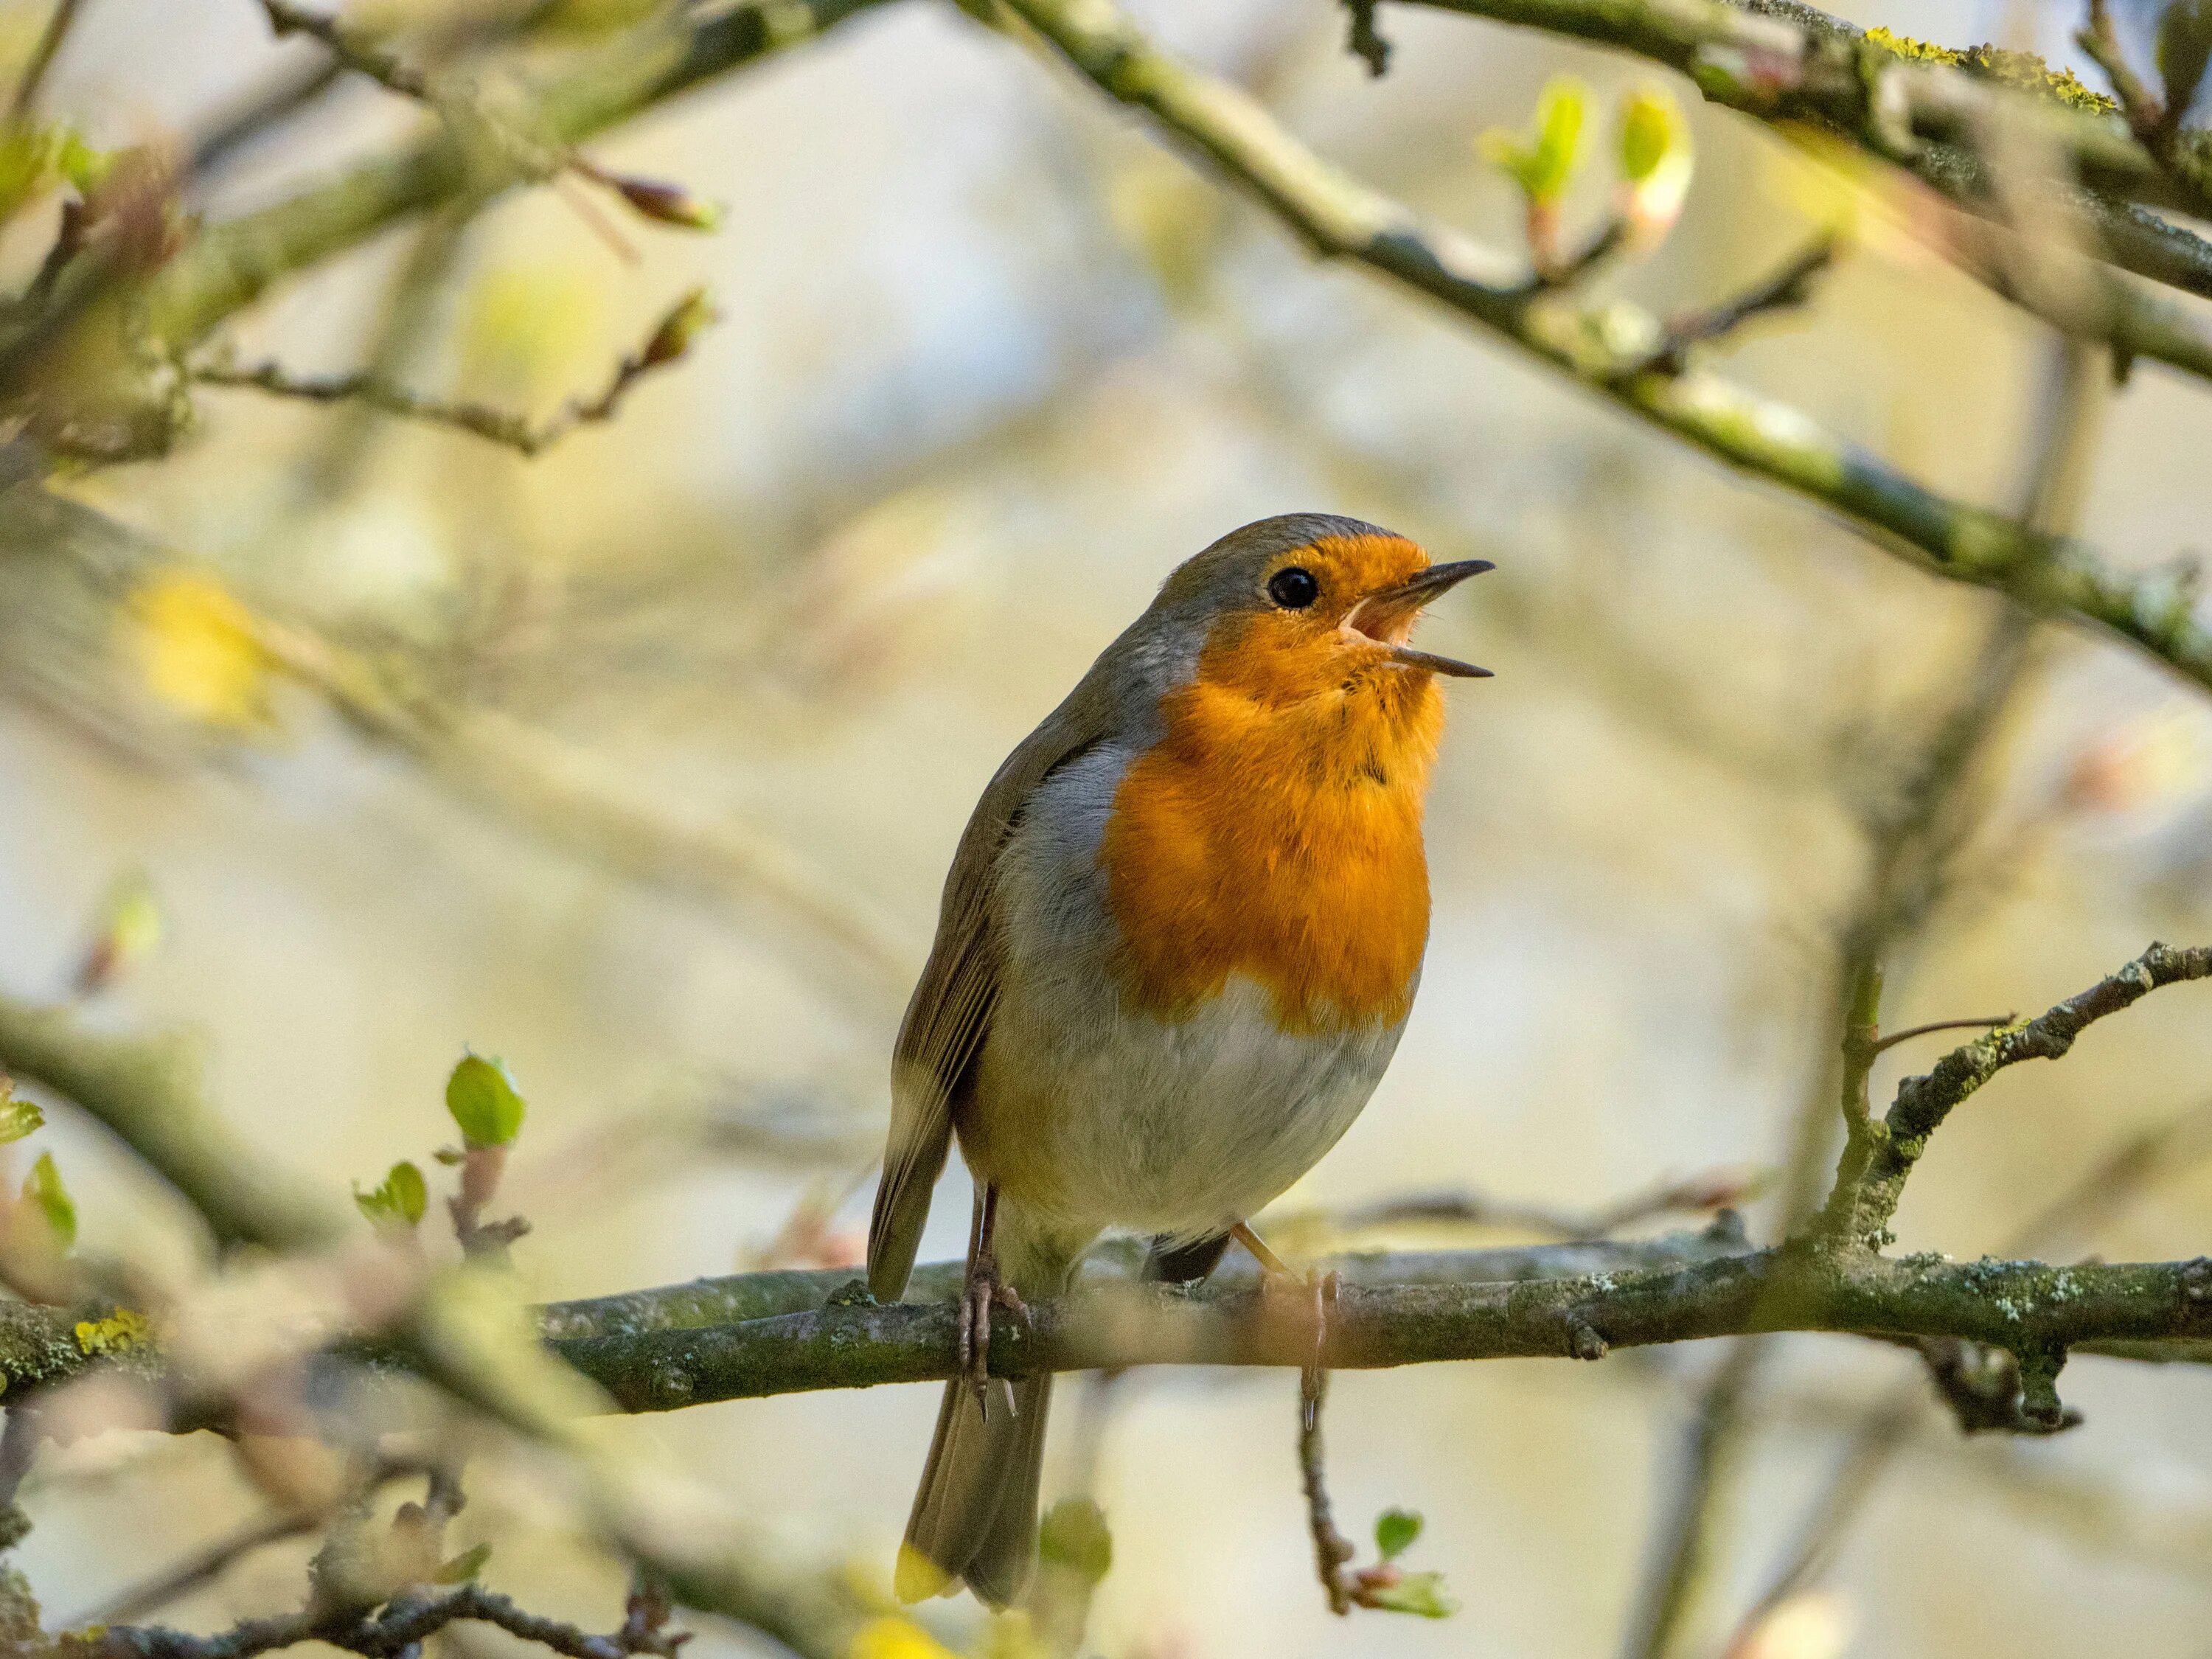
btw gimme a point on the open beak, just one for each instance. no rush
(1386, 618)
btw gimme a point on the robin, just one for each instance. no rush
(1177, 948)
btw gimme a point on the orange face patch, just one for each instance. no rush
(1275, 830)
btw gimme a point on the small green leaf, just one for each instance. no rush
(401, 1197)
(675, 332)
(1648, 123)
(81, 166)
(18, 1117)
(484, 1102)
(1073, 1535)
(1656, 161)
(1419, 1593)
(44, 1189)
(465, 1566)
(1396, 1531)
(1543, 162)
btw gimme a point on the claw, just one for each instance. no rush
(978, 1290)
(1277, 1280)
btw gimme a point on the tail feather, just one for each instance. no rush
(976, 1515)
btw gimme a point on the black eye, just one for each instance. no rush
(1293, 587)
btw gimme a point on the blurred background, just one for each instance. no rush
(725, 674)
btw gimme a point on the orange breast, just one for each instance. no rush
(1277, 836)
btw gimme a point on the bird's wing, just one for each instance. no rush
(933, 1064)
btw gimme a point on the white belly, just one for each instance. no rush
(1102, 1119)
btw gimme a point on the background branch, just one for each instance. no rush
(1339, 217)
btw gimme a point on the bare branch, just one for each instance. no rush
(1880, 1155)
(1698, 1195)
(1890, 1040)
(231, 264)
(360, 56)
(401, 1624)
(25, 98)
(1787, 288)
(670, 339)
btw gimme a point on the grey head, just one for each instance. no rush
(1352, 574)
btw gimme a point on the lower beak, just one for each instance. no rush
(1387, 618)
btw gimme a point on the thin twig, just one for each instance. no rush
(25, 98)
(1890, 1040)
(667, 343)
(1787, 288)
(1333, 1550)
(1699, 1194)
(1362, 40)
(255, 112)
(2144, 110)
(403, 1623)
(1871, 1179)
(359, 55)
(196, 1570)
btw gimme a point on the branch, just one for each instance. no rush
(1722, 1188)
(349, 49)
(1341, 217)
(147, 1090)
(2022, 1306)
(25, 98)
(668, 342)
(404, 1623)
(1880, 1155)
(1922, 109)
(232, 262)
(1787, 288)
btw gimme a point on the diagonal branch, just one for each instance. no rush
(1341, 217)
(231, 264)
(1925, 109)
(1881, 1153)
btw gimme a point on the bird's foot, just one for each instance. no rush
(981, 1291)
(977, 1292)
(1310, 1295)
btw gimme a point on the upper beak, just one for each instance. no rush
(1387, 618)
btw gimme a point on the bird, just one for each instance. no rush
(1176, 947)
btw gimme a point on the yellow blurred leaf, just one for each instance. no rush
(2154, 761)
(199, 650)
(896, 1639)
(1815, 1625)
(530, 327)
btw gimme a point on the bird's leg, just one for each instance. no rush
(981, 1288)
(1278, 1278)
(1268, 1260)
